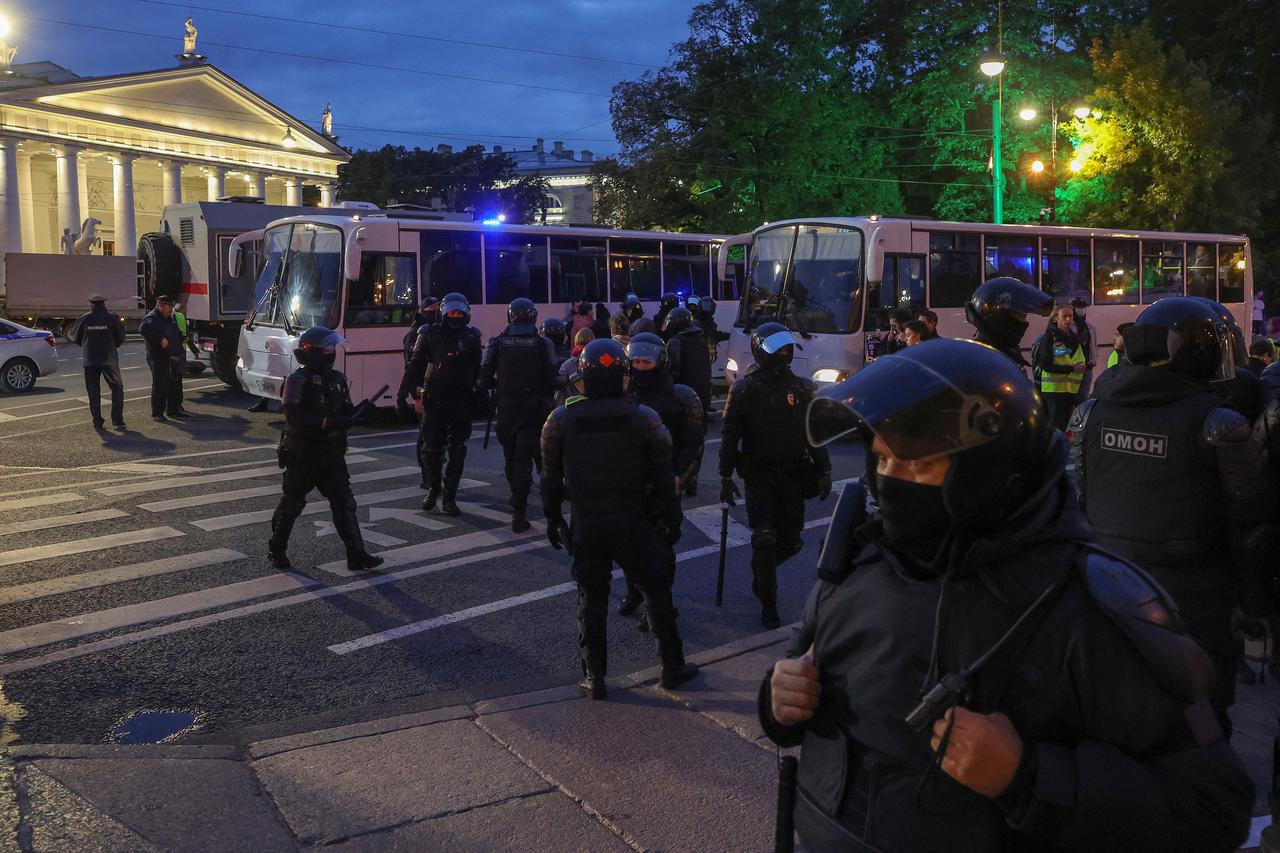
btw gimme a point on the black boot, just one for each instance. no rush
(520, 520)
(593, 686)
(348, 527)
(769, 615)
(277, 545)
(676, 672)
(452, 477)
(432, 476)
(429, 502)
(448, 505)
(279, 559)
(363, 562)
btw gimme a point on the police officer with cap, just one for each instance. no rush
(998, 311)
(681, 413)
(764, 441)
(164, 357)
(611, 522)
(1154, 428)
(520, 366)
(317, 407)
(441, 375)
(971, 674)
(100, 334)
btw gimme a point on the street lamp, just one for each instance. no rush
(1037, 166)
(992, 64)
(1027, 113)
(1081, 111)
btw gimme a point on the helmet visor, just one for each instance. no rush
(915, 411)
(777, 341)
(651, 350)
(333, 340)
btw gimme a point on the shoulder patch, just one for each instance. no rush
(1151, 445)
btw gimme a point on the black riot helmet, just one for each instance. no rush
(692, 301)
(999, 307)
(631, 307)
(679, 319)
(1239, 351)
(602, 368)
(773, 344)
(1186, 331)
(954, 398)
(318, 347)
(650, 347)
(706, 307)
(429, 311)
(522, 312)
(669, 301)
(553, 329)
(455, 311)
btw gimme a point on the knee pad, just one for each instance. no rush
(764, 540)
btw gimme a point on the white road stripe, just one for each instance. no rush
(83, 403)
(707, 520)
(438, 548)
(4, 417)
(84, 546)
(149, 469)
(41, 500)
(105, 577)
(260, 491)
(326, 528)
(33, 524)
(74, 627)
(183, 482)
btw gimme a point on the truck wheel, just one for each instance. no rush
(18, 376)
(223, 358)
(68, 331)
(161, 266)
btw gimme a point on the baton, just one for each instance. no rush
(785, 828)
(367, 403)
(488, 425)
(724, 541)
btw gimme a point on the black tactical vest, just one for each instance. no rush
(604, 454)
(774, 411)
(454, 364)
(695, 361)
(522, 367)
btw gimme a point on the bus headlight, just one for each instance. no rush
(731, 365)
(830, 374)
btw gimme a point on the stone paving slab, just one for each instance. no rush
(30, 752)
(264, 748)
(726, 690)
(543, 822)
(340, 790)
(659, 774)
(60, 820)
(527, 700)
(9, 813)
(176, 804)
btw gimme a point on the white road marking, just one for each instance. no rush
(41, 500)
(260, 491)
(482, 511)
(84, 546)
(184, 482)
(153, 469)
(83, 402)
(105, 577)
(438, 548)
(4, 417)
(33, 524)
(707, 520)
(74, 627)
(409, 516)
(326, 528)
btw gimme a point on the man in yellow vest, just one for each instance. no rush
(1062, 366)
(181, 371)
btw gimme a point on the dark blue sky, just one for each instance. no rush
(372, 104)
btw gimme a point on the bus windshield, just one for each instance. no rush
(301, 277)
(807, 276)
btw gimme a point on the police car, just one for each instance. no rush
(25, 354)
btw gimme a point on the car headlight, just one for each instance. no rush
(830, 374)
(731, 365)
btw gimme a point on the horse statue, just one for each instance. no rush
(88, 239)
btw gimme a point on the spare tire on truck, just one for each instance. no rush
(161, 267)
(224, 356)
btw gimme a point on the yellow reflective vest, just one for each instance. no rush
(1063, 383)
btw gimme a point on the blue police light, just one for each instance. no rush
(494, 219)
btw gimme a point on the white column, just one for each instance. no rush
(171, 182)
(326, 195)
(293, 192)
(126, 235)
(82, 186)
(11, 209)
(26, 202)
(258, 185)
(68, 167)
(217, 183)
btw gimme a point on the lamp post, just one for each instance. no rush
(1080, 111)
(992, 64)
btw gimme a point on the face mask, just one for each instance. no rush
(328, 359)
(914, 515)
(644, 379)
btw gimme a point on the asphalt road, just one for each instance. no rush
(133, 576)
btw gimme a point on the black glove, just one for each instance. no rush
(556, 525)
(728, 491)
(824, 485)
(670, 528)
(403, 409)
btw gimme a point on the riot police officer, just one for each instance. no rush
(520, 366)
(666, 305)
(611, 522)
(690, 354)
(442, 374)
(100, 334)
(681, 413)
(764, 441)
(998, 311)
(633, 310)
(554, 330)
(1086, 728)
(1154, 428)
(317, 407)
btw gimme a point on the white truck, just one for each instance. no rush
(52, 291)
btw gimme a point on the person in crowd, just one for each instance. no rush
(568, 371)
(1262, 354)
(895, 339)
(609, 504)
(520, 367)
(619, 328)
(1155, 428)
(763, 441)
(600, 323)
(690, 357)
(164, 356)
(930, 320)
(1117, 352)
(100, 334)
(1085, 728)
(916, 332)
(318, 409)
(998, 311)
(581, 318)
(1088, 338)
(1259, 313)
(633, 308)
(1062, 364)
(555, 331)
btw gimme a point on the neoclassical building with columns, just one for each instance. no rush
(121, 147)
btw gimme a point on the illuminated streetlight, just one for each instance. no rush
(1037, 166)
(1026, 113)
(1081, 112)
(5, 29)
(288, 141)
(1076, 165)
(992, 63)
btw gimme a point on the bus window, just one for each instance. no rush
(634, 268)
(1064, 269)
(767, 269)
(1115, 272)
(953, 269)
(276, 244)
(729, 290)
(1011, 255)
(1202, 270)
(451, 264)
(1231, 273)
(578, 270)
(515, 265)
(686, 268)
(901, 288)
(826, 271)
(1161, 270)
(386, 293)
(312, 276)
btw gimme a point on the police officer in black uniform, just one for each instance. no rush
(164, 356)
(764, 441)
(1155, 432)
(690, 354)
(633, 310)
(681, 413)
(100, 334)
(520, 366)
(317, 406)
(666, 304)
(555, 331)
(442, 373)
(611, 522)
(998, 310)
(1086, 729)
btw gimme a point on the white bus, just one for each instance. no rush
(365, 273)
(839, 281)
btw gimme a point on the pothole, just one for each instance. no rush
(154, 727)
